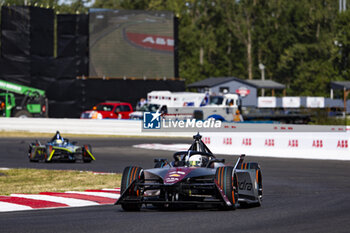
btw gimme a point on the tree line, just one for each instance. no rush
(304, 44)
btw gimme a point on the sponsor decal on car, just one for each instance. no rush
(245, 185)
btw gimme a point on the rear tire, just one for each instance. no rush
(129, 175)
(30, 155)
(227, 181)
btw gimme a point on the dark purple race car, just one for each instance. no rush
(195, 177)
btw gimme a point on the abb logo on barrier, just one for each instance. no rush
(227, 141)
(293, 143)
(247, 141)
(156, 42)
(206, 140)
(270, 142)
(342, 144)
(317, 143)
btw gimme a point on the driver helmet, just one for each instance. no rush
(59, 139)
(195, 161)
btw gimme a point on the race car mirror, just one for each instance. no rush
(157, 160)
(215, 161)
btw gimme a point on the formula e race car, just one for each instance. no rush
(195, 177)
(59, 149)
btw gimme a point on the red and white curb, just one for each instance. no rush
(49, 200)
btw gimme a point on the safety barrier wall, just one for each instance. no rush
(284, 142)
(307, 145)
(81, 126)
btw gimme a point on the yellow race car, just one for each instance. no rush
(59, 149)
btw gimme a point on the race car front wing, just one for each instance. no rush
(179, 193)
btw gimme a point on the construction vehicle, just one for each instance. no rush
(22, 101)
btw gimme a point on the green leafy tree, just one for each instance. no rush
(304, 44)
(305, 66)
(240, 17)
(341, 51)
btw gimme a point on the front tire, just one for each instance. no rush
(227, 181)
(260, 186)
(86, 157)
(47, 154)
(131, 174)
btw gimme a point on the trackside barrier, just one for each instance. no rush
(81, 126)
(284, 142)
(320, 145)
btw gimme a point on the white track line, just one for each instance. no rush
(116, 189)
(63, 200)
(5, 207)
(99, 194)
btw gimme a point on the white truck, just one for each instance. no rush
(201, 106)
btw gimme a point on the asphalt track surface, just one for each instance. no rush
(299, 196)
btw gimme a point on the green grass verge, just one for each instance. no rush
(40, 180)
